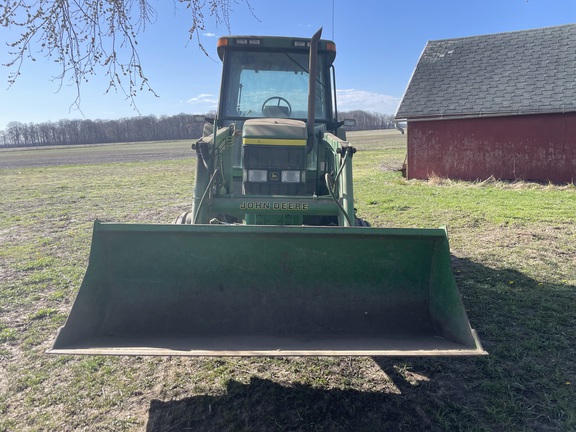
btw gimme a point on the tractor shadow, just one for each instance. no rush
(263, 405)
(432, 394)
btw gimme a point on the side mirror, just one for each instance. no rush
(200, 118)
(349, 123)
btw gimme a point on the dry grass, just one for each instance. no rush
(514, 252)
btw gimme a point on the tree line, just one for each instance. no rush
(369, 120)
(135, 129)
(72, 132)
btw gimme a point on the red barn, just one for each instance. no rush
(501, 105)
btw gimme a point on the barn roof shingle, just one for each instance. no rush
(522, 72)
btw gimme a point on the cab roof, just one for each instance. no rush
(273, 43)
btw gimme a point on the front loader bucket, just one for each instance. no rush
(198, 290)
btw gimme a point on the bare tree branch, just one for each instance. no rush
(88, 37)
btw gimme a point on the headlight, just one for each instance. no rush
(257, 175)
(291, 177)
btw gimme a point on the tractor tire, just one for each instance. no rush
(183, 219)
(361, 222)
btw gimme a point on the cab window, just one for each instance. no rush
(271, 84)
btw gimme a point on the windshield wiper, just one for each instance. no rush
(302, 67)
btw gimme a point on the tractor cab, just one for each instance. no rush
(269, 77)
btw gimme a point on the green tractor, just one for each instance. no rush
(271, 259)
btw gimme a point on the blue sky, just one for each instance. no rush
(378, 45)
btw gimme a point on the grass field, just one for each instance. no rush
(514, 257)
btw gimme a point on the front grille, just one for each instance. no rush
(274, 159)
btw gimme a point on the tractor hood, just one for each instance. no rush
(267, 129)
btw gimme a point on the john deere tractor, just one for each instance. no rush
(271, 258)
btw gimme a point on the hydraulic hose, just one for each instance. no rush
(330, 184)
(210, 182)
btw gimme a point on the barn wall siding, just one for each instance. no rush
(529, 147)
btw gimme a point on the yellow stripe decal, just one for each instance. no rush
(273, 142)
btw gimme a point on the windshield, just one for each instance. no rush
(271, 84)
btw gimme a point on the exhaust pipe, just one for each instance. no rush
(312, 72)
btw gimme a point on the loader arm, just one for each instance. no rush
(213, 166)
(341, 186)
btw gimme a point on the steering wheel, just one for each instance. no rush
(280, 99)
